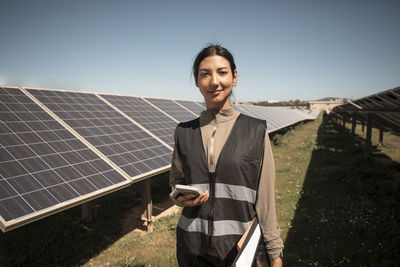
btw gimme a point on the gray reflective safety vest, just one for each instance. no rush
(220, 222)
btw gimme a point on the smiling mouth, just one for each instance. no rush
(215, 91)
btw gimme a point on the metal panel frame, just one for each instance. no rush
(384, 105)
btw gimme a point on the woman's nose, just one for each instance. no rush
(214, 80)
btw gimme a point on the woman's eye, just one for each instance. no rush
(222, 73)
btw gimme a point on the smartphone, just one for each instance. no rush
(187, 189)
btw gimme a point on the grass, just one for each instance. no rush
(347, 208)
(292, 151)
(390, 146)
(64, 239)
(141, 249)
(335, 207)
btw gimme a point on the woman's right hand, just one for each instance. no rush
(190, 200)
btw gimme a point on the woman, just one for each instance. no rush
(227, 155)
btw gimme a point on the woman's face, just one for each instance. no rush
(215, 81)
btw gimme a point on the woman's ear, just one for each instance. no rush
(235, 77)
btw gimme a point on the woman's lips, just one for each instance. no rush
(215, 91)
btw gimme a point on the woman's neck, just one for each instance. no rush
(224, 105)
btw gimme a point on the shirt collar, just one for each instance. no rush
(219, 116)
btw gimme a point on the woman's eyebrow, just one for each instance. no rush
(221, 68)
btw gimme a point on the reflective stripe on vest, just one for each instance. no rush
(235, 192)
(224, 227)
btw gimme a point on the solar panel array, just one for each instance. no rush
(146, 115)
(194, 107)
(382, 110)
(123, 142)
(277, 117)
(173, 109)
(62, 148)
(43, 166)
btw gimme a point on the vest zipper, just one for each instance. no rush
(211, 152)
(211, 180)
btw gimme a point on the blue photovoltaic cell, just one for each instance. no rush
(123, 142)
(173, 109)
(276, 117)
(148, 116)
(282, 116)
(245, 109)
(194, 107)
(41, 163)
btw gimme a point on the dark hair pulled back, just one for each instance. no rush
(213, 50)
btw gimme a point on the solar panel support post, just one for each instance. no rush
(333, 118)
(89, 211)
(146, 204)
(380, 137)
(362, 126)
(368, 142)
(353, 124)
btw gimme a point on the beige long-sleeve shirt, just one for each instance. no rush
(220, 123)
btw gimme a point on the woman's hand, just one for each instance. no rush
(190, 200)
(277, 262)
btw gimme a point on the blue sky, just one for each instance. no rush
(283, 49)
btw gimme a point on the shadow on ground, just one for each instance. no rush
(64, 239)
(349, 210)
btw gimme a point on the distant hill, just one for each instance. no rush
(296, 102)
(328, 99)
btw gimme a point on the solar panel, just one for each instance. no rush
(43, 167)
(247, 110)
(173, 109)
(272, 121)
(194, 107)
(146, 115)
(124, 143)
(276, 117)
(310, 115)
